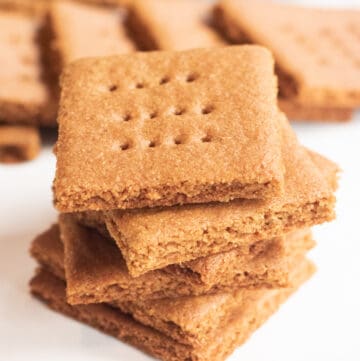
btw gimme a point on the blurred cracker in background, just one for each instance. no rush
(18, 143)
(316, 52)
(172, 25)
(24, 96)
(75, 30)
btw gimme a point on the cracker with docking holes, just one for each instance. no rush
(317, 51)
(153, 238)
(96, 271)
(24, 97)
(196, 328)
(18, 143)
(164, 128)
(172, 25)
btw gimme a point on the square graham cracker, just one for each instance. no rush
(96, 271)
(172, 25)
(164, 128)
(317, 51)
(24, 97)
(199, 328)
(18, 143)
(154, 238)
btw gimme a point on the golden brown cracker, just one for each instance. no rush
(317, 51)
(96, 272)
(295, 111)
(18, 143)
(82, 30)
(165, 128)
(153, 238)
(188, 329)
(172, 25)
(24, 97)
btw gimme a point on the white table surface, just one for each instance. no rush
(321, 321)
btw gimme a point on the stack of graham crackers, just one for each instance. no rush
(186, 200)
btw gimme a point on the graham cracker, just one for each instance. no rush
(18, 143)
(316, 50)
(172, 25)
(48, 250)
(24, 97)
(194, 328)
(295, 111)
(154, 238)
(165, 128)
(105, 2)
(37, 7)
(96, 271)
(82, 30)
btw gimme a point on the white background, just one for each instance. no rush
(320, 322)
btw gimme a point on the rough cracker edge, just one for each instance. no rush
(186, 336)
(275, 275)
(45, 261)
(183, 289)
(163, 195)
(107, 319)
(172, 289)
(256, 317)
(308, 215)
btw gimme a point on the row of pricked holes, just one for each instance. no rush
(166, 79)
(176, 111)
(177, 141)
(339, 46)
(300, 39)
(325, 32)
